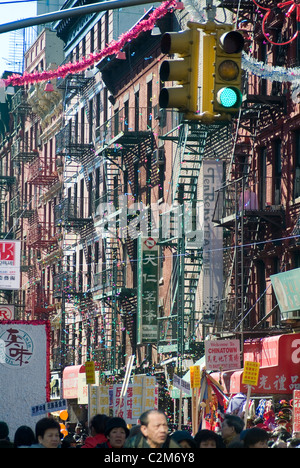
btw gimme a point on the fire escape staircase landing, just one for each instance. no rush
(185, 239)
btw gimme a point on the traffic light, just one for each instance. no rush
(208, 71)
(227, 97)
(183, 70)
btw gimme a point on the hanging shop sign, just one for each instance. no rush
(286, 286)
(147, 309)
(181, 384)
(10, 260)
(90, 372)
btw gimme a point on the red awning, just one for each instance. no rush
(70, 381)
(279, 373)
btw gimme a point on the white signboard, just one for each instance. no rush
(181, 384)
(24, 371)
(7, 312)
(141, 396)
(222, 354)
(10, 260)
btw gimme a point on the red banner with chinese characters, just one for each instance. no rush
(279, 359)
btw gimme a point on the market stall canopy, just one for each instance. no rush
(70, 381)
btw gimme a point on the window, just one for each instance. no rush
(92, 40)
(149, 105)
(297, 165)
(277, 172)
(136, 110)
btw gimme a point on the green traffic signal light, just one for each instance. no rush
(228, 72)
(229, 97)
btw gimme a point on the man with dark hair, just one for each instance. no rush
(153, 432)
(256, 438)
(232, 427)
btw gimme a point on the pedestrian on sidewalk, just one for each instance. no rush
(116, 432)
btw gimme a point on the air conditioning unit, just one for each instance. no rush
(292, 315)
(159, 156)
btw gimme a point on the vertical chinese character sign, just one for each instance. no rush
(24, 370)
(148, 265)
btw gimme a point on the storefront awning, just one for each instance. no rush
(70, 381)
(279, 373)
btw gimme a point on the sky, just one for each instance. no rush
(12, 10)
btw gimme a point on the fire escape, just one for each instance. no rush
(124, 143)
(248, 204)
(74, 212)
(184, 239)
(40, 236)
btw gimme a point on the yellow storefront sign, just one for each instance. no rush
(90, 372)
(195, 376)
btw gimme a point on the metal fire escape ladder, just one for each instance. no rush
(239, 265)
(187, 251)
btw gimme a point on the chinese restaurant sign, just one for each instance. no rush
(24, 370)
(148, 265)
(10, 258)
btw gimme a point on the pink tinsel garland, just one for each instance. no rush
(113, 48)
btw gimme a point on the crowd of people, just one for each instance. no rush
(152, 432)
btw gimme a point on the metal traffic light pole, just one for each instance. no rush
(71, 12)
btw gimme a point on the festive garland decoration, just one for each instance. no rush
(113, 48)
(281, 74)
(293, 6)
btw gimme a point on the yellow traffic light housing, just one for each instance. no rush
(183, 70)
(228, 72)
(208, 71)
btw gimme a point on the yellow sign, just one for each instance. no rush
(90, 372)
(250, 374)
(195, 376)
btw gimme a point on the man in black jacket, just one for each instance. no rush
(153, 432)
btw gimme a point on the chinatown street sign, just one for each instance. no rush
(222, 354)
(147, 310)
